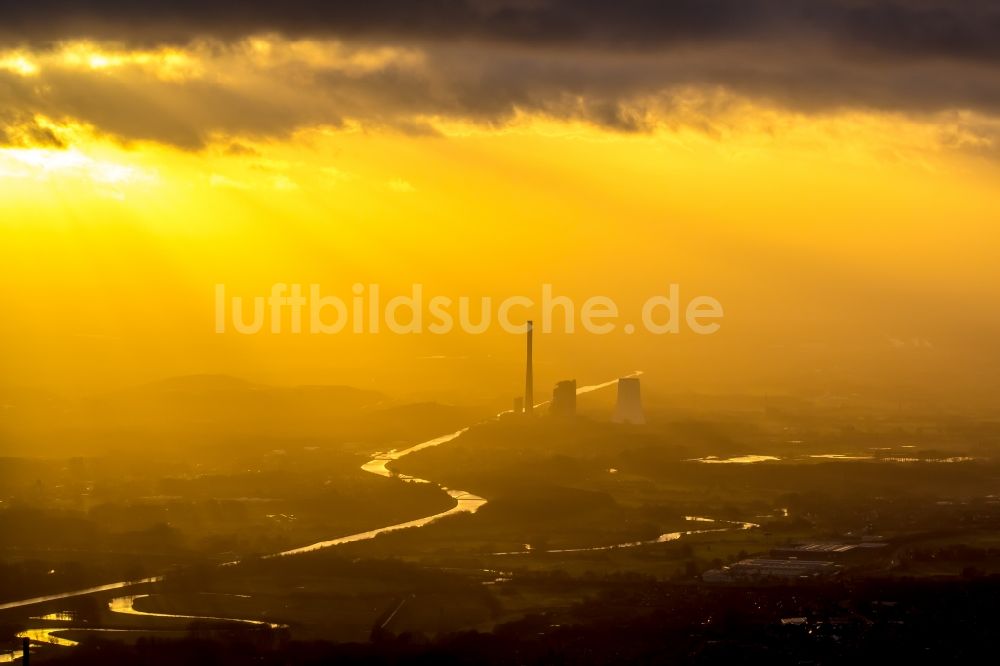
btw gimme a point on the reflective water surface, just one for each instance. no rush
(465, 502)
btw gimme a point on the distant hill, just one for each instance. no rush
(206, 408)
(195, 383)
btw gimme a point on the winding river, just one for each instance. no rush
(465, 502)
(727, 526)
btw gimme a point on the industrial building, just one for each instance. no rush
(827, 550)
(564, 399)
(763, 569)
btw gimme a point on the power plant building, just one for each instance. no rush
(564, 399)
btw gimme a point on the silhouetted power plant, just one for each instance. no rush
(564, 399)
(627, 410)
(629, 406)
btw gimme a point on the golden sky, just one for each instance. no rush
(845, 217)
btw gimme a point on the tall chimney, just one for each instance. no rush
(529, 397)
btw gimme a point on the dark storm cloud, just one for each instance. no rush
(626, 65)
(18, 130)
(627, 92)
(966, 29)
(181, 113)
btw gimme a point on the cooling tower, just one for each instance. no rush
(629, 407)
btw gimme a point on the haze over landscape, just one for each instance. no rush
(267, 274)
